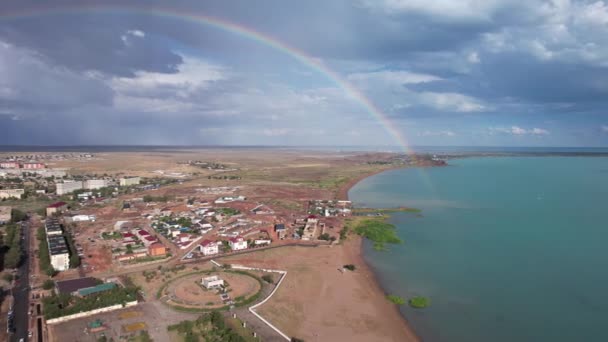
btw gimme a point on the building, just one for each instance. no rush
(5, 214)
(33, 166)
(52, 227)
(87, 291)
(81, 218)
(129, 181)
(157, 250)
(58, 248)
(280, 230)
(11, 193)
(212, 282)
(68, 186)
(93, 184)
(59, 253)
(149, 240)
(237, 243)
(209, 247)
(73, 285)
(9, 165)
(56, 208)
(262, 242)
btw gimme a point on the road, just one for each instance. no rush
(21, 291)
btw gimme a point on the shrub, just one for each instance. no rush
(395, 299)
(324, 236)
(48, 284)
(350, 267)
(419, 302)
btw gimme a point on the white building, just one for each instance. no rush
(11, 193)
(68, 186)
(209, 247)
(81, 218)
(93, 184)
(238, 243)
(129, 181)
(212, 282)
(58, 248)
(262, 242)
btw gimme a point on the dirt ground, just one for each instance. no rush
(189, 290)
(155, 315)
(318, 302)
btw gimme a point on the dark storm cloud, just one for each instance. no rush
(124, 76)
(86, 41)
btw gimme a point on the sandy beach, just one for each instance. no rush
(318, 302)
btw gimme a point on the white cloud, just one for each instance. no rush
(604, 128)
(452, 102)
(568, 31)
(539, 131)
(30, 83)
(274, 132)
(440, 9)
(159, 92)
(132, 33)
(473, 58)
(398, 77)
(137, 33)
(437, 134)
(519, 131)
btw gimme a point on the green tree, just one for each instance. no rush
(48, 284)
(18, 215)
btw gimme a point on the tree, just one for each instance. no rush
(324, 236)
(48, 284)
(18, 215)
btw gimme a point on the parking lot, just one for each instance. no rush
(122, 324)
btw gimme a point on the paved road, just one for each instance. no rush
(21, 292)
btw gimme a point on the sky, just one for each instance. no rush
(435, 72)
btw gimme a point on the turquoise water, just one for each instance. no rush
(508, 249)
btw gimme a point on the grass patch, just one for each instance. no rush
(395, 299)
(378, 231)
(419, 302)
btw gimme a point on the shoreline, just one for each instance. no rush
(342, 192)
(370, 275)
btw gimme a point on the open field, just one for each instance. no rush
(318, 302)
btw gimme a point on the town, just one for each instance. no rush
(96, 230)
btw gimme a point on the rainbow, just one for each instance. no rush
(236, 29)
(242, 31)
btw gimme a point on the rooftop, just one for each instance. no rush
(95, 289)
(57, 205)
(73, 285)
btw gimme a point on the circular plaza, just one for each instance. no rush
(210, 290)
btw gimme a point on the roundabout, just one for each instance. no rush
(189, 292)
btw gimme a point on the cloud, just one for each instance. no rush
(163, 92)
(453, 102)
(132, 33)
(473, 58)
(274, 132)
(31, 84)
(437, 134)
(398, 77)
(604, 128)
(439, 9)
(518, 131)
